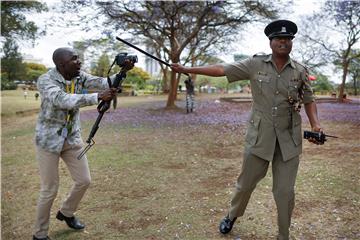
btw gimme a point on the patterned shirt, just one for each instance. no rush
(60, 108)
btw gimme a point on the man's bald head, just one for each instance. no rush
(67, 62)
(62, 54)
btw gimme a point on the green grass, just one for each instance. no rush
(162, 184)
(13, 101)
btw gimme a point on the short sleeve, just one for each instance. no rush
(308, 92)
(238, 71)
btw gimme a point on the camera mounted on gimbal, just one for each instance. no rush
(121, 59)
(189, 83)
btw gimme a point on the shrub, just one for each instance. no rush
(8, 85)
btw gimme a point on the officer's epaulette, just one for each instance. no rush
(260, 54)
(301, 64)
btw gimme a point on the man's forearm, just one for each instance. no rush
(311, 112)
(210, 70)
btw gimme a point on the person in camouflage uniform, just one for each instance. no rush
(279, 85)
(58, 135)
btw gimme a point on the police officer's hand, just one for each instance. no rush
(313, 140)
(107, 94)
(178, 68)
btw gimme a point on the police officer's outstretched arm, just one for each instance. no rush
(216, 70)
(311, 112)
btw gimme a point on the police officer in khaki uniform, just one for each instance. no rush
(279, 85)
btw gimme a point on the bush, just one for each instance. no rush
(149, 87)
(8, 85)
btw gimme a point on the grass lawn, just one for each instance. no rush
(160, 174)
(13, 102)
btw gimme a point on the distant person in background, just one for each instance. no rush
(247, 89)
(58, 135)
(25, 94)
(190, 92)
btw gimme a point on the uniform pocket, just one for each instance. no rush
(296, 129)
(294, 86)
(253, 130)
(263, 82)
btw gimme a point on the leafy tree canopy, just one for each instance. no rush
(33, 71)
(11, 62)
(335, 31)
(13, 21)
(322, 84)
(138, 77)
(102, 66)
(14, 28)
(181, 30)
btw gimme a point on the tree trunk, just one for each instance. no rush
(165, 86)
(173, 91)
(177, 84)
(175, 58)
(342, 85)
(355, 85)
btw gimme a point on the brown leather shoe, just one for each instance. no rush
(72, 222)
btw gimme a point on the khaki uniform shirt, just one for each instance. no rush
(56, 103)
(272, 118)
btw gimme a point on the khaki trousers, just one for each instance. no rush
(49, 178)
(284, 176)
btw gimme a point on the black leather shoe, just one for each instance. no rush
(72, 222)
(226, 224)
(35, 238)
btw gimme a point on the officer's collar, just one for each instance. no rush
(290, 61)
(292, 64)
(268, 58)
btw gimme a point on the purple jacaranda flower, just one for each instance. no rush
(208, 112)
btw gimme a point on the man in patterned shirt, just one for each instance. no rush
(58, 135)
(278, 86)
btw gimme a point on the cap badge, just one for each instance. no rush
(283, 29)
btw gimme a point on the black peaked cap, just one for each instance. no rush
(280, 28)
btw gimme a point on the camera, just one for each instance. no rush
(122, 57)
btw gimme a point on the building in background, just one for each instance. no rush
(152, 66)
(31, 59)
